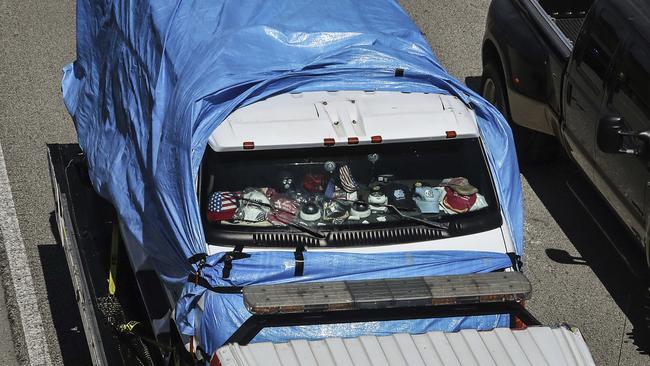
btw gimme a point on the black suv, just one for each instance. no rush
(578, 70)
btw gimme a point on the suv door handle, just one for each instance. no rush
(569, 92)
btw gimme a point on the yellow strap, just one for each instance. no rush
(128, 327)
(112, 273)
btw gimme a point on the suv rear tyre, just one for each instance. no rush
(532, 146)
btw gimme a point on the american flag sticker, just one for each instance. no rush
(347, 180)
(222, 205)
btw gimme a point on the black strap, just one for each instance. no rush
(202, 355)
(196, 258)
(300, 262)
(516, 261)
(229, 257)
(201, 281)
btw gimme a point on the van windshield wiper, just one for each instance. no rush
(432, 224)
(396, 211)
(296, 225)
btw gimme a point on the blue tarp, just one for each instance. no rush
(153, 79)
(224, 313)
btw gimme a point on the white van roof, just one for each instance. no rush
(307, 119)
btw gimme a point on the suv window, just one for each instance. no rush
(634, 76)
(597, 48)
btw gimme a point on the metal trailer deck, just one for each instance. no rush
(121, 324)
(126, 315)
(536, 345)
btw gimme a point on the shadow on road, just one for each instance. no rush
(61, 297)
(599, 237)
(562, 256)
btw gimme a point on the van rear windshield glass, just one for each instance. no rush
(346, 187)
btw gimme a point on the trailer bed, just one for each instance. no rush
(122, 321)
(86, 224)
(559, 20)
(570, 26)
(533, 346)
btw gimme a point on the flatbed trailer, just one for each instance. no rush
(127, 317)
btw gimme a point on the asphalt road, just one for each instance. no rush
(577, 275)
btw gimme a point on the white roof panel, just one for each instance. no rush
(502, 346)
(306, 119)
